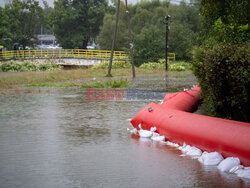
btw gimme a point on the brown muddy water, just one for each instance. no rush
(54, 137)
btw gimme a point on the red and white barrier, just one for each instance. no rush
(174, 121)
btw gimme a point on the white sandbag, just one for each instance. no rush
(185, 148)
(182, 147)
(200, 159)
(170, 143)
(145, 133)
(158, 138)
(228, 163)
(244, 173)
(176, 145)
(145, 140)
(193, 151)
(213, 158)
(235, 169)
(153, 129)
(133, 131)
(156, 134)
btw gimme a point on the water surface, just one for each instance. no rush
(54, 137)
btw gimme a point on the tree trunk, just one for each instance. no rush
(130, 41)
(114, 38)
(84, 44)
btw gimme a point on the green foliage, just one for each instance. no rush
(107, 84)
(224, 33)
(115, 65)
(23, 18)
(149, 46)
(231, 12)
(221, 63)
(148, 30)
(178, 66)
(4, 31)
(103, 84)
(160, 65)
(76, 22)
(15, 66)
(152, 65)
(105, 37)
(223, 75)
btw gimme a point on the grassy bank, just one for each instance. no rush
(80, 77)
(61, 78)
(122, 83)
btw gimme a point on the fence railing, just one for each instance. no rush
(171, 56)
(61, 53)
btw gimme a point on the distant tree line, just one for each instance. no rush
(18, 22)
(149, 30)
(74, 22)
(77, 22)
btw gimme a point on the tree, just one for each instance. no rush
(77, 21)
(105, 37)
(149, 46)
(147, 17)
(231, 12)
(4, 30)
(221, 62)
(24, 17)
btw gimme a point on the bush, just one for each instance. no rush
(115, 65)
(152, 66)
(160, 65)
(223, 75)
(16, 66)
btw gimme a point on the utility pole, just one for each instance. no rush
(114, 38)
(130, 41)
(166, 21)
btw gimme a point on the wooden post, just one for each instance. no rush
(114, 38)
(130, 41)
(167, 30)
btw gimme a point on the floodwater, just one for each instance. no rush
(54, 137)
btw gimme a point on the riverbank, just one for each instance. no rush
(62, 78)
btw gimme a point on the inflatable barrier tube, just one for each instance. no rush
(174, 120)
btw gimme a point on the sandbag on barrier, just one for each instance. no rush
(173, 120)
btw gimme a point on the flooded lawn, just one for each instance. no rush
(54, 137)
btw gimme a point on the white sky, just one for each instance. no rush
(50, 2)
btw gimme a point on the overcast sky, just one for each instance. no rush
(50, 2)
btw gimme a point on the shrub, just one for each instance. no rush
(160, 65)
(115, 65)
(16, 66)
(223, 75)
(152, 66)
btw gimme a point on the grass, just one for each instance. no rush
(103, 84)
(73, 78)
(60, 78)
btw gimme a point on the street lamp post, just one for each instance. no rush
(166, 21)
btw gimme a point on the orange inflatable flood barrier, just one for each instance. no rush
(173, 120)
